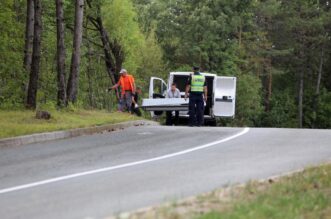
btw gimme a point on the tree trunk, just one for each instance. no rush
(72, 88)
(240, 33)
(110, 65)
(119, 57)
(29, 29)
(34, 73)
(268, 85)
(320, 70)
(300, 105)
(61, 55)
(89, 76)
(109, 61)
(317, 92)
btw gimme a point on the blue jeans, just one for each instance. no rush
(196, 109)
(126, 101)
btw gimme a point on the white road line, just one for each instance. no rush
(62, 178)
(145, 133)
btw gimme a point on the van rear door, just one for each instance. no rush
(157, 89)
(224, 96)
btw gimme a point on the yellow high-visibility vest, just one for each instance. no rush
(197, 83)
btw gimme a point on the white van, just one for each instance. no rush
(221, 99)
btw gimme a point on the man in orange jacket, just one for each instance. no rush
(128, 89)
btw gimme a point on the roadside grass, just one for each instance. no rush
(306, 194)
(23, 122)
(302, 195)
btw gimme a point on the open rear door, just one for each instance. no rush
(157, 89)
(224, 96)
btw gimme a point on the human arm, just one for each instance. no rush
(133, 86)
(114, 86)
(205, 93)
(133, 100)
(167, 94)
(187, 89)
(178, 93)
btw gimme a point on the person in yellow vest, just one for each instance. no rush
(128, 89)
(197, 88)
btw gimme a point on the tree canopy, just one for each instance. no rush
(278, 50)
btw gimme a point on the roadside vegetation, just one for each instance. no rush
(306, 194)
(61, 53)
(23, 122)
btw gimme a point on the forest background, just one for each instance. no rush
(60, 53)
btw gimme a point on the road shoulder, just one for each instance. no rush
(48, 136)
(302, 193)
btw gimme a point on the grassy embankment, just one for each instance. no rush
(305, 194)
(23, 122)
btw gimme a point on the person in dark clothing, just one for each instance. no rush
(197, 87)
(135, 105)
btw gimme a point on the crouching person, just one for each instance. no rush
(135, 105)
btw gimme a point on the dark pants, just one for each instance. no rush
(170, 120)
(196, 108)
(136, 111)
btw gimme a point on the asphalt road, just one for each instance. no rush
(104, 174)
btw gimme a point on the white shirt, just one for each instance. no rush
(175, 94)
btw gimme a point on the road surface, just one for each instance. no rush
(104, 174)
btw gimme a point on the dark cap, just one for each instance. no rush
(196, 68)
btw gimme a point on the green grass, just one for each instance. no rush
(23, 122)
(305, 195)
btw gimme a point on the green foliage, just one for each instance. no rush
(282, 113)
(248, 101)
(13, 79)
(143, 56)
(119, 16)
(151, 61)
(324, 110)
(265, 44)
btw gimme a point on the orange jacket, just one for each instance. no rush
(126, 83)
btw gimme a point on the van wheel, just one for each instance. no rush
(158, 113)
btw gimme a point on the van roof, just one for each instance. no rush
(190, 72)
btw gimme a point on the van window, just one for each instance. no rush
(159, 88)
